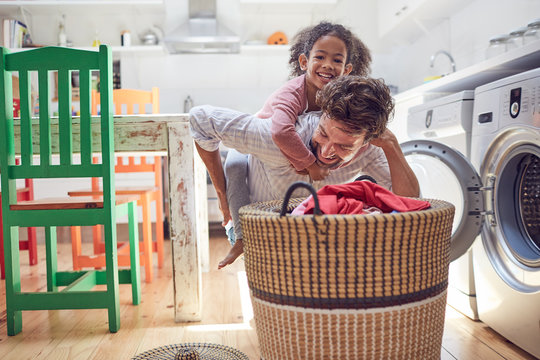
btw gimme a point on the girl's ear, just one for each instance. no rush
(302, 60)
(348, 69)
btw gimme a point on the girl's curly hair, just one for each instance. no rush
(358, 54)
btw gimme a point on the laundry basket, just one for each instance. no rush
(347, 286)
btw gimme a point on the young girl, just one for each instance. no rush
(318, 54)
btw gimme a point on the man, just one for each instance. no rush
(348, 136)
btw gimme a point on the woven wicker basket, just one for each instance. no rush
(348, 286)
(192, 351)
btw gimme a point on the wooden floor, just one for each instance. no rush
(227, 319)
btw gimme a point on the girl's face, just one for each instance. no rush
(326, 61)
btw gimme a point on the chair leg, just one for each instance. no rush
(98, 240)
(51, 257)
(147, 238)
(159, 229)
(32, 245)
(2, 265)
(134, 254)
(13, 279)
(76, 246)
(111, 269)
(158, 177)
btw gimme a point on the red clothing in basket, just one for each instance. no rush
(355, 197)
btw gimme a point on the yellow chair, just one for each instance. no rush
(146, 195)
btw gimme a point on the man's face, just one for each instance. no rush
(333, 143)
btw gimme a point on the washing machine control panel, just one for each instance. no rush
(519, 103)
(515, 102)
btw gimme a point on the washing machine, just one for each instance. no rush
(438, 154)
(505, 147)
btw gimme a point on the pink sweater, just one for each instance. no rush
(284, 106)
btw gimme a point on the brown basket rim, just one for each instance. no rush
(272, 208)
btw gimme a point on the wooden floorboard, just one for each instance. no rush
(83, 334)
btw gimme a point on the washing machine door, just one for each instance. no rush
(511, 233)
(444, 173)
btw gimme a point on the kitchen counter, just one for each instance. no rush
(510, 63)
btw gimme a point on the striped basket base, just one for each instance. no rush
(411, 331)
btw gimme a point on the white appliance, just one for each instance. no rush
(506, 149)
(441, 134)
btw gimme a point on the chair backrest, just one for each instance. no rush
(130, 98)
(42, 131)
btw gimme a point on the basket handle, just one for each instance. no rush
(294, 186)
(365, 177)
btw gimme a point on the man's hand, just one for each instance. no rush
(386, 139)
(404, 180)
(224, 207)
(316, 172)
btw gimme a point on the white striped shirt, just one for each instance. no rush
(270, 173)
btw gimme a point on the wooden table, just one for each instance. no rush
(187, 196)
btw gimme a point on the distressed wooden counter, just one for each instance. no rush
(187, 196)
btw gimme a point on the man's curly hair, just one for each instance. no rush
(358, 54)
(360, 103)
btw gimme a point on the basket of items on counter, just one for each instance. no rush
(348, 286)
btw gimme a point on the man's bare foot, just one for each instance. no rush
(235, 252)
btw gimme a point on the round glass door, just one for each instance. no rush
(511, 235)
(444, 173)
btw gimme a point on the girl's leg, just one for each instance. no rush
(236, 173)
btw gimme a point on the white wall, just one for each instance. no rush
(244, 81)
(240, 81)
(465, 35)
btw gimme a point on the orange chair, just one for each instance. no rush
(147, 195)
(25, 193)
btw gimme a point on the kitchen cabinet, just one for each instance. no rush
(405, 20)
(288, 1)
(70, 7)
(97, 19)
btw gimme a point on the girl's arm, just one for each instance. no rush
(286, 106)
(286, 138)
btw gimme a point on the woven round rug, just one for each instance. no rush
(192, 351)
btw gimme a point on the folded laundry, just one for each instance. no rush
(356, 198)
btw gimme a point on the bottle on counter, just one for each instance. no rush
(96, 41)
(125, 38)
(515, 38)
(188, 104)
(497, 46)
(533, 32)
(62, 37)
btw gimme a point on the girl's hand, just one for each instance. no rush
(316, 172)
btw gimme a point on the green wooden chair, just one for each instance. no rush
(66, 136)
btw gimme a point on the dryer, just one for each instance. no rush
(506, 149)
(441, 134)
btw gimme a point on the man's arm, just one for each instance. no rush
(404, 181)
(212, 161)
